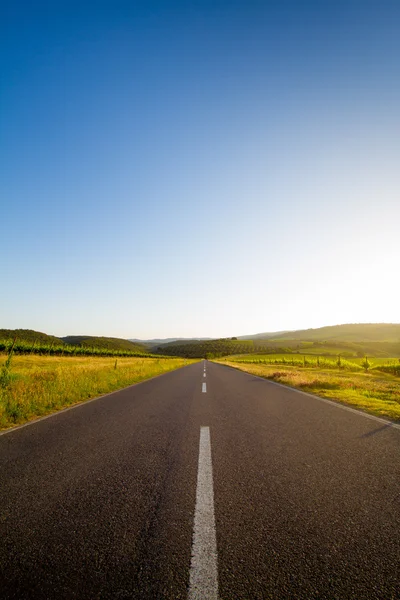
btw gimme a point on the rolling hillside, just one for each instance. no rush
(159, 341)
(28, 341)
(103, 342)
(357, 340)
(263, 336)
(352, 332)
(29, 336)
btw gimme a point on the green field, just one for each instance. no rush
(314, 360)
(32, 385)
(375, 390)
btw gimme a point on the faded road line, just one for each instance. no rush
(203, 584)
(204, 388)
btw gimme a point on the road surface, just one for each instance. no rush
(203, 483)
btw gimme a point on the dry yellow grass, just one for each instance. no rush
(375, 392)
(43, 384)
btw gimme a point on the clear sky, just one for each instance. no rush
(207, 168)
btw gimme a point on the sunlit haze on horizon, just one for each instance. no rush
(199, 169)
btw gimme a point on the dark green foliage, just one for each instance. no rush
(365, 364)
(215, 348)
(206, 348)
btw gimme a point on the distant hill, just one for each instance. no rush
(204, 348)
(360, 339)
(30, 336)
(352, 332)
(354, 339)
(103, 342)
(36, 342)
(262, 336)
(158, 341)
(37, 337)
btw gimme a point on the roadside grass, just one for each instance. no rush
(34, 386)
(373, 391)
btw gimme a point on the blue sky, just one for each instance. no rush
(199, 168)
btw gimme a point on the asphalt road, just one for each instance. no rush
(98, 502)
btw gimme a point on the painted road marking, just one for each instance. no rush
(203, 583)
(204, 374)
(204, 388)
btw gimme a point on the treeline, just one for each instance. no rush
(216, 348)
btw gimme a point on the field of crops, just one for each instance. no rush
(58, 349)
(387, 365)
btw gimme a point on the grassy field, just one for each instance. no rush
(374, 391)
(32, 386)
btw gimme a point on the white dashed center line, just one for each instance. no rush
(204, 388)
(203, 583)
